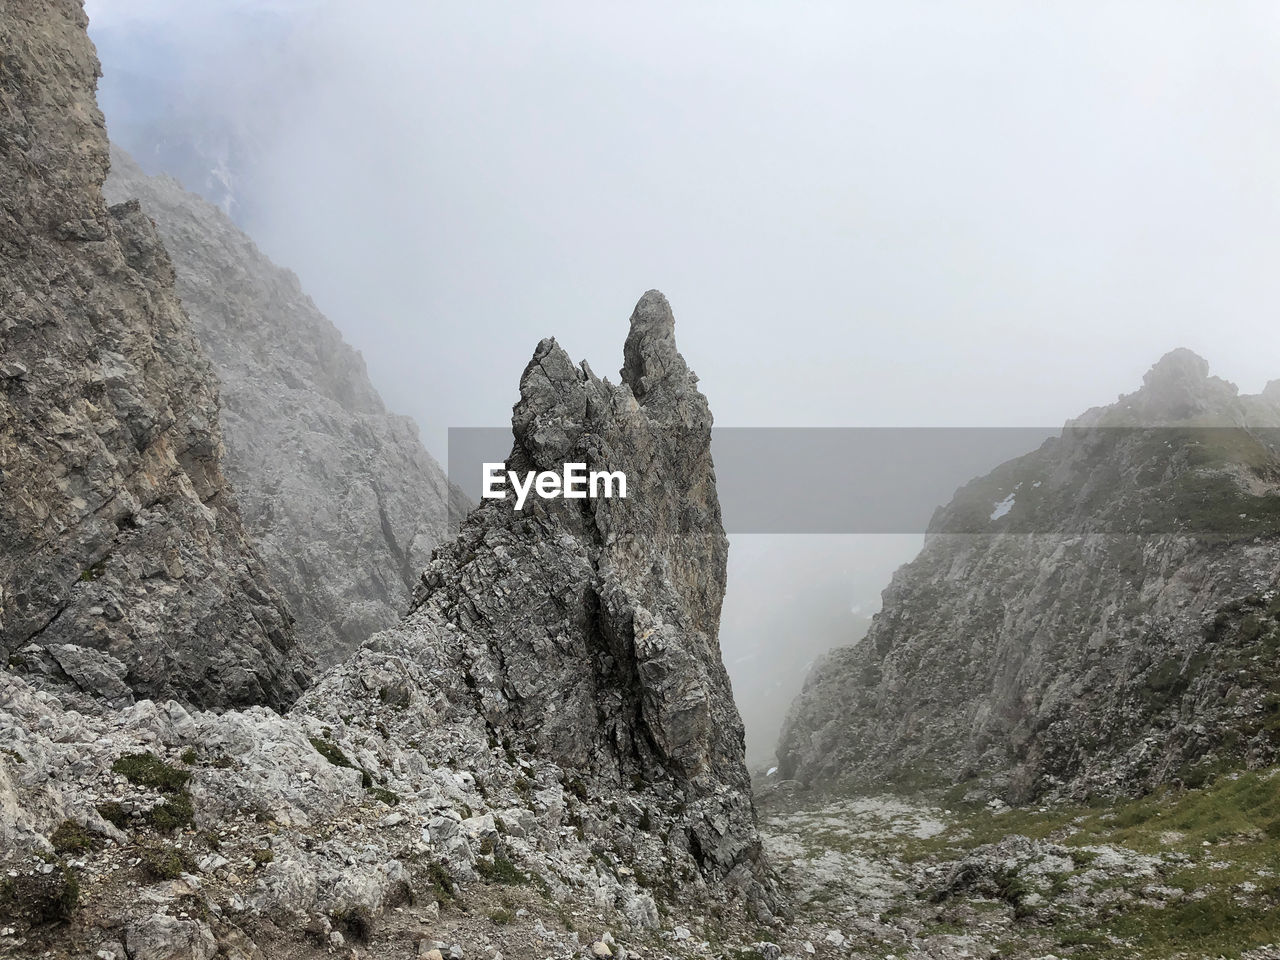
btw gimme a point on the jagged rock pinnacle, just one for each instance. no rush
(590, 626)
(1178, 386)
(650, 354)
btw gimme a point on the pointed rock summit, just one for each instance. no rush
(1179, 387)
(586, 630)
(650, 355)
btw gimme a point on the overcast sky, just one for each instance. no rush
(863, 213)
(971, 213)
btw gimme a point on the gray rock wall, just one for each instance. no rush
(121, 550)
(342, 500)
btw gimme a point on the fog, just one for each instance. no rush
(913, 214)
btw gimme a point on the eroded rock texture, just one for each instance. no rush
(123, 563)
(551, 729)
(1098, 616)
(342, 500)
(586, 630)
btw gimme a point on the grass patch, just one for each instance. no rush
(114, 814)
(71, 837)
(501, 870)
(176, 812)
(441, 883)
(1220, 845)
(163, 862)
(389, 797)
(39, 897)
(1216, 926)
(331, 752)
(147, 770)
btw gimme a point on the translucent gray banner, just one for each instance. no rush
(1218, 481)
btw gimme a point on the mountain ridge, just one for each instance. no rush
(1066, 645)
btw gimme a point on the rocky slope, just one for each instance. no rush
(1098, 616)
(342, 500)
(551, 728)
(124, 566)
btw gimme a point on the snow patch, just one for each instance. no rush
(1004, 506)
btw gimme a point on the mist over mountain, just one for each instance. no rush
(901, 213)
(1096, 617)
(272, 688)
(123, 548)
(345, 504)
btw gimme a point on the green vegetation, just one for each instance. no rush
(576, 787)
(174, 812)
(441, 883)
(92, 573)
(263, 855)
(502, 916)
(1214, 446)
(1215, 506)
(71, 837)
(331, 752)
(163, 862)
(40, 897)
(1220, 847)
(501, 870)
(389, 797)
(114, 814)
(147, 770)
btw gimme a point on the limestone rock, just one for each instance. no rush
(342, 500)
(118, 530)
(554, 711)
(586, 629)
(161, 937)
(552, 716)
(1110, 631)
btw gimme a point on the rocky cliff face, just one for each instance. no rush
(546, 747)
(549, 734)
(344, 503)
(1099, 616)
(586, 630)
(123, 563)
